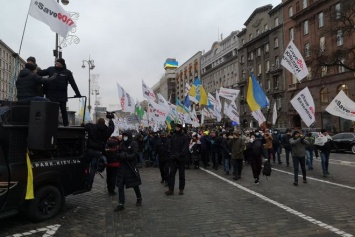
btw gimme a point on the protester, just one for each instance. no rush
(268, 145)
(256, 150)
(111, 154)
(276, 146)
(237, 148)
(57, 91)
(226, 153)
(298, 146)
(179, 150)
(309, 150)
(140, 158)
(98, 134)
(325, 148)
(163, 149)
(205, 148)
(215, 146)
(195, 150)
(285, 142)
(128, 175)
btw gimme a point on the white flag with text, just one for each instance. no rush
(304, 105)
(126, 101)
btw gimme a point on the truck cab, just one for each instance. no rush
(32, 141)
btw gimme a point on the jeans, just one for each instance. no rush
(92, 157)
(277, 150)
(174, 166)
(287, 152)
(227, 161)
(121, 196)
(237, 167)
(255, 163)
(325, 162)
(309, 155)
(270, 155)
(299, 160)
(140, 158)
(164, 169)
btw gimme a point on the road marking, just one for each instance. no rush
(319, 180)
(339, 162)
(49, 231)
(286, 208)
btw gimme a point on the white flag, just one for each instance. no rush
(259, 116)
(230, 94)
(218, 105)
(274, 115)
(162, 101)
(147, 92)
(293, 61)
(127, 102)
(231, 112)
(53, 15)
(157, 112)
(342, 106)
(304, 105)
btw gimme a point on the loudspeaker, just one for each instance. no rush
(43, 125)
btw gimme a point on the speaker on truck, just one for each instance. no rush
(43, 125)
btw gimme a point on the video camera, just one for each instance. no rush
(110, 115)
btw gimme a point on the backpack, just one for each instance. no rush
(267, 169)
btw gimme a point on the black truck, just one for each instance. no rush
(56, 155)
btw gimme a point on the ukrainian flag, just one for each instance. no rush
(181, 108)
(198, 92)
(256, 97)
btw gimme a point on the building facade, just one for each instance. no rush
(166, 86)
(7, 67)
(260, 52)
(326, 43)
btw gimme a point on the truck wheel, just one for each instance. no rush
(47, 203)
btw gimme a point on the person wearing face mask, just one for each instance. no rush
(256, 151)
(128, 175)
(298, 145)
(179, 144)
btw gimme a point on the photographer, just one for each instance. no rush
(98, 134)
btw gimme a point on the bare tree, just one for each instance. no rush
(340, 28)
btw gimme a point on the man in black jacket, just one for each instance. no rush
(29, 84)
(179, 144)
(285, 142)
(128, 175)
(58, 90)
(98, 134)
(163, 149)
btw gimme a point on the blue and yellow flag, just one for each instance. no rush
(256, 97)
(181, 108)
(198, 92)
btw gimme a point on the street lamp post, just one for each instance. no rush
(56, 52)
(91, 66)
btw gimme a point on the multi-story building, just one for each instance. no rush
(319, 30)
(186, 73)
(219, 67)
(166, 85)
(7, 67)
(260, 52)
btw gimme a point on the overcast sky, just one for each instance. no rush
(129, 40)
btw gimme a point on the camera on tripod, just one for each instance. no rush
(110, 115)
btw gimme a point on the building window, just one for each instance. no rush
(243, 41)
(324, 95)
(290, 11)
(279, 102)
(309, 76)
(259, 69)
(242, 59)
(250, 37)
(276, 42)
(320, 20)
(268, 82)
(276, 82)
(340, 38)
(267, 66)
(337, 11)
(340, 67)
(297, 7)
(243, 74)
(251, 55)
(267, 47)
(257, 32)
(291, 34)
(259, 51)
(277, 61)
(307, 51)
(266, 27)
(305, 27)
(304, 4)
(276, 21)
(324, 70)
(344, 88)
(322, 44)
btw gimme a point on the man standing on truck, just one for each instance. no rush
(98, 134)
(58, 90)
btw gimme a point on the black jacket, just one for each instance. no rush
(128, 174)
(98, 135)
(58, 90)
(215, 146)
(29, 84)
(179, 146)
(225, 148)
(163, 148)
(285, 141)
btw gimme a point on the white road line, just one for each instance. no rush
(286, 208)
(319, 180)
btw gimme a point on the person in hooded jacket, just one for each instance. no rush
(111, 154)
(128, 175)
(179, 150)
(98, 134)
(58, 90)
(163, 151)
(29, 84)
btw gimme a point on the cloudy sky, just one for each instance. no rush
(129, 40)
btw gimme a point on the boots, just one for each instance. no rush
(169, 192)
(139, 202)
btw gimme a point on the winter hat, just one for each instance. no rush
(62, 61)
(31, 59)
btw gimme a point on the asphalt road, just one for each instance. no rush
(213, 205)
